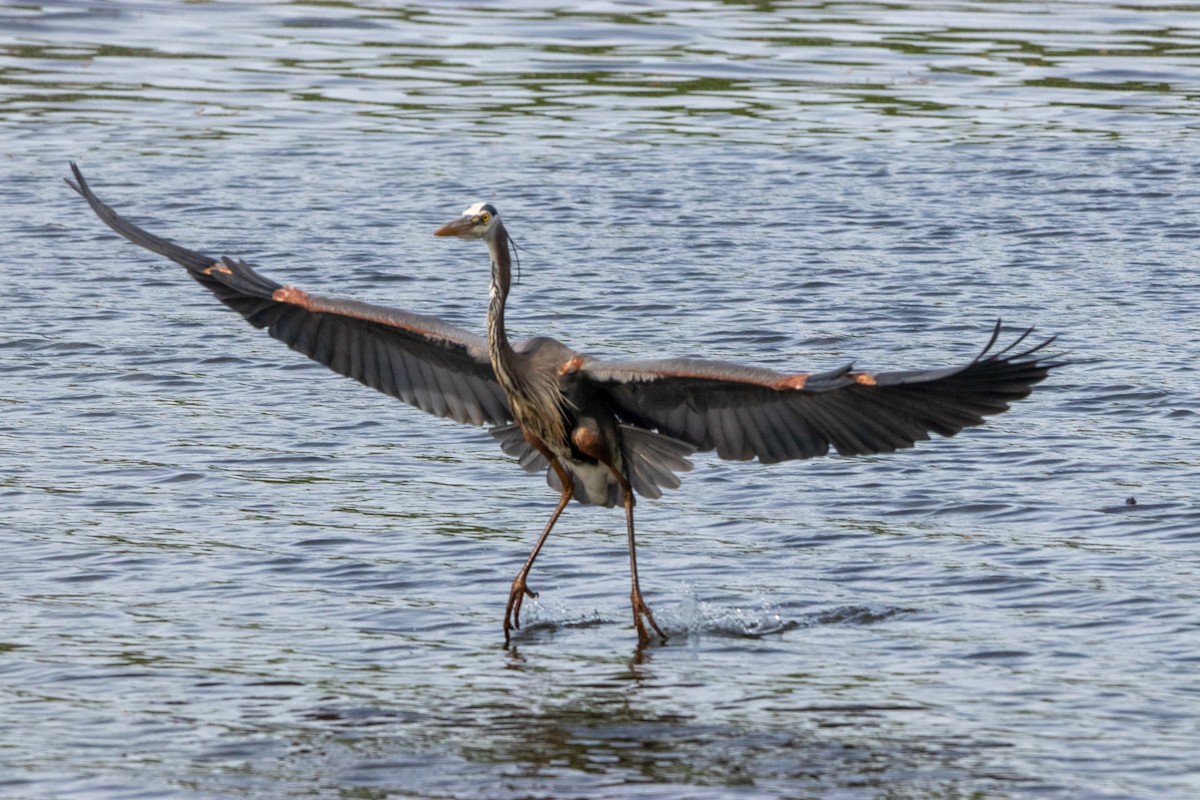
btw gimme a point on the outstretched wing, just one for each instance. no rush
(746, 412)
(419, 359)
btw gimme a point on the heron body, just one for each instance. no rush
(603, 431)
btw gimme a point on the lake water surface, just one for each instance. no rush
(228, 573)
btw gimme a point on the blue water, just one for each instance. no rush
(229, 573)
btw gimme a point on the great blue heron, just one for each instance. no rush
(601, 429)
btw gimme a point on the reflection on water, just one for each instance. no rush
(229, 574)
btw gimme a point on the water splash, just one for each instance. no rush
(695, 616)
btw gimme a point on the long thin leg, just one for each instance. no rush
(516, 595)
(640, 609)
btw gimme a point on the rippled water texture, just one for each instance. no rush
(227, 573)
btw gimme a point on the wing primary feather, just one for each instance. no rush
(835, 431)
(496, 406)
(324, 339)
(422, 391)
(383, 369)
(775, 434)
(453, 393)
(437, 397)
(287, 324)
(361, 357)
(468, 401)
(716, 430)
(370, 361)
(991, 342)
(403, 388)
(339, 361)
(811, 443)
(734, 443)
(696, 429)
(303, 339)
(756, 445)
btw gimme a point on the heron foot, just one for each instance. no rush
(512, 612)
(640, 610)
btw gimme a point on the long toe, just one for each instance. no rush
(512, 615)
(654, 625)
(640, 610)
(512, 612)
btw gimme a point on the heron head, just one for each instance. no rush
(475, 223)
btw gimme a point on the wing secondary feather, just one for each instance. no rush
(747, 412)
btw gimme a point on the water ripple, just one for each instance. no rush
(232, 574)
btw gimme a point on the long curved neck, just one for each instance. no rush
(533, 395)
(503, 357)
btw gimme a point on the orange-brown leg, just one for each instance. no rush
(640, 609)
(516, 595)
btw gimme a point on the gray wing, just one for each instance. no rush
(419, 359)
(746, 412)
